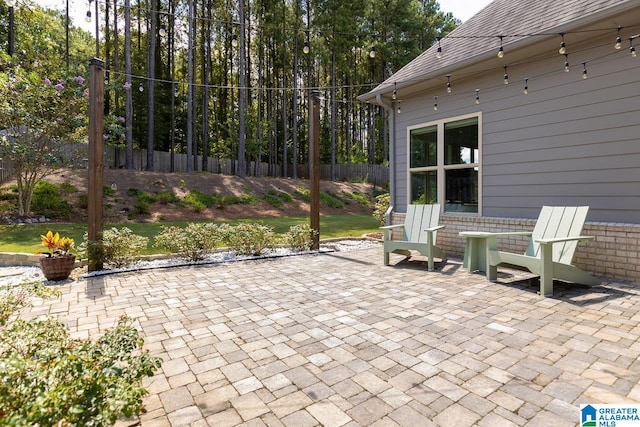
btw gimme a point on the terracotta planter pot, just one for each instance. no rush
(57, 268)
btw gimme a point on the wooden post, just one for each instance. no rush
(314, 151)
(96, 148)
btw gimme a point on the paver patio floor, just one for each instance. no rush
(338, 339)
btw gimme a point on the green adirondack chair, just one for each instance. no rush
(550, 251)
(419, 234)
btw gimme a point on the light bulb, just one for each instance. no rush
(162, 31)
(506, 76)
(234, 41)
(399, 109)
(618, 44)
(584, 71)
(563, 48)
(501, 53)
(435, 104)
(10, 3)
(395, 95)
(88, 17)
(526, 87)
(439, 53)
(305, 48)
(477, 96)
(449, 84)
(372, 52)
(140, 88)
(566, 63)
(633, 51)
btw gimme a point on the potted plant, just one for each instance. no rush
(58, 262)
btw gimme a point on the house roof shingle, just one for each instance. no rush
(518, 21)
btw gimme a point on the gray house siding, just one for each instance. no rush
(570, 141)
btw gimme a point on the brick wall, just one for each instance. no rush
(613, 254)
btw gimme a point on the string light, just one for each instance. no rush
(395, 92)
(618, 44)
(305, 48)
(563, 47)
(584, 70)
(372, 52)
(566, 63)
(501, 50)
(10, 3)
(439, 51)
(163, 31)
(526, 87)
(477, 96)
(632, 49)
(140, 88)
(448, 83)
(506, 76)
(435, 103)
(87, 18)
(399, 110)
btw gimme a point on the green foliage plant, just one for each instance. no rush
(249, 199)
(199, 201)
(273, 199)
(359, 197)
(300, 237)
(193, 242)
(120, 247)
(165, 197)
(331, 200)
(47, 200)
(383, 201)
(250, 238)
(48, 378)
(37, 114)
(303, 194)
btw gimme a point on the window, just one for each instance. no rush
(444, 163)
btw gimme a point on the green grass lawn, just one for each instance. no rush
(26, 238)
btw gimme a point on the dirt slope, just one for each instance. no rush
(120, 207)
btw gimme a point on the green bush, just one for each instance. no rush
(48, 201)
(133, 192)
(108, 191)
(164, 197)
(83, 201)
(383, 201)
(68, 188)
(277, 198)
(119, 248)
(331, 200)
(146, 197)
(48, 378)
(360, 198)
(303, 194)
(142, 207)
(199, 201)
(193, 242)
(248, 199)
(300, 237)
(250, 239)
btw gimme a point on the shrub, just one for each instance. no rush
(193, 242)
(331, 200)
(49, 378)
(382, 204)
(300, 237)
(248, 199)
(83, 201)
(133, 192)
(164, 197)
(68, 188)
(360, 198)
(198, 200)
(142, 207)
(303, 194)
(250, 239)
(272, 199)
(108, 191)
(119, 248)
(48, 201)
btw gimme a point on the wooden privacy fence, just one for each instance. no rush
(6, 170)
(374, 174)
(76, 155)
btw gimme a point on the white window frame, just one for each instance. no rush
(440, 167)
